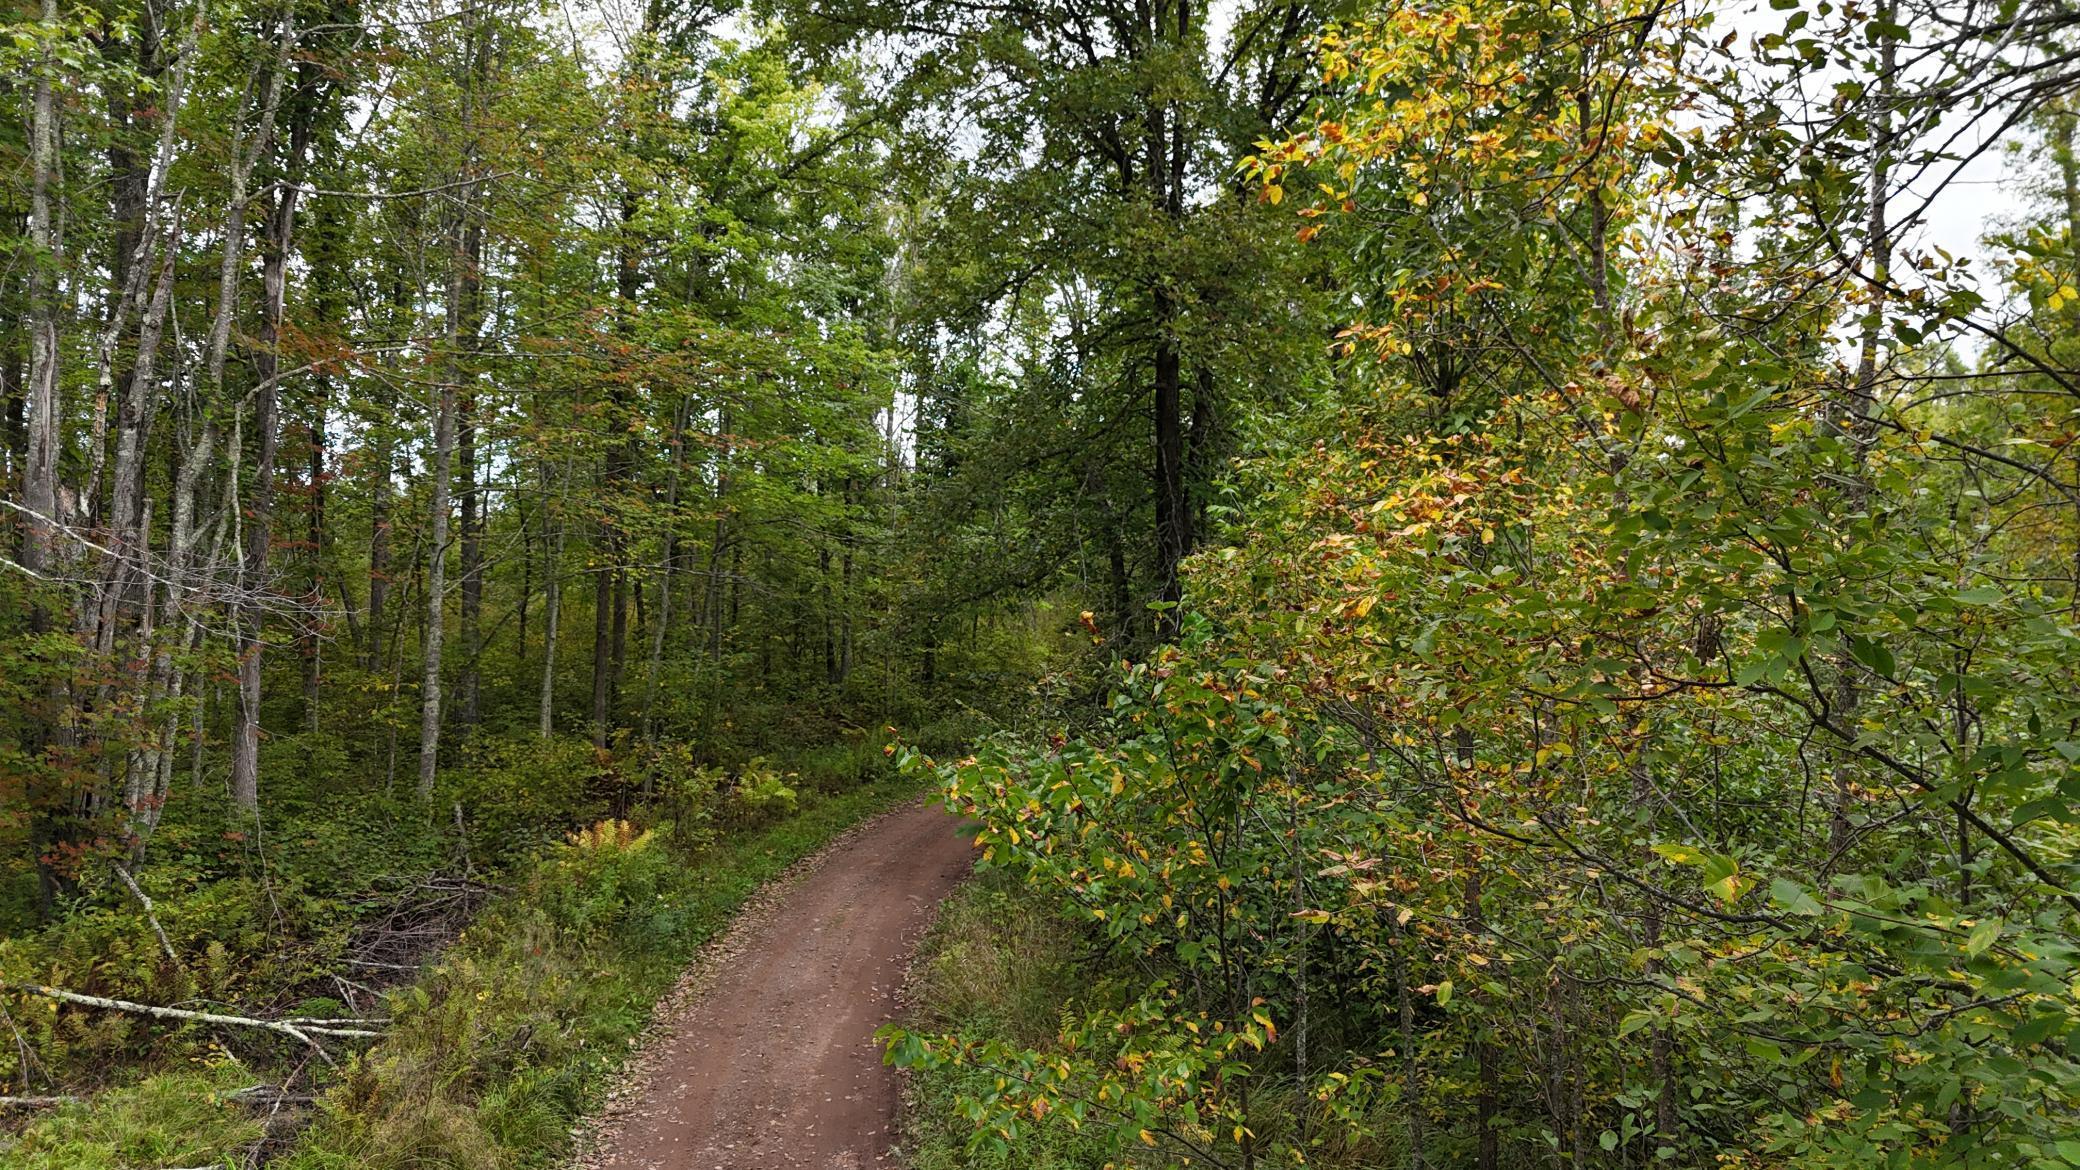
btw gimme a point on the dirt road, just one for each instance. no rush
(768, 1058)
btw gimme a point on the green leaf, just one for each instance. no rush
(1874, 654)
(1721, 873)
(1983, 936)
(1794, 898)
(1680, 854)
(1764, 1049)
(2037, 1029)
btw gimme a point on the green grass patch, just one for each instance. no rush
(173, 1119)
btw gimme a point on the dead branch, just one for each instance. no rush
(165, 944)
(35, 1102)
(304, 1033)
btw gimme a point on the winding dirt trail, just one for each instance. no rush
(766, 1057)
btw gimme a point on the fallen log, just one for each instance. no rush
(303, 1033)
(35, 1102)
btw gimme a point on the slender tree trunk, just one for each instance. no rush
(830, 631)
(552, 604)
(1487, 1090)
(469, 701)
(845, 587)
(45, 409)
(1852, 416)
(722, 537)
(468, 710)
(379, 507)
(664, 581)
(1173, 500)
(244, 778)
(45, 444)
(259, 528)
(14, 370)
(441, 473)
(1413, 1085)
(618, 665)
(310, 648)
(602, 637)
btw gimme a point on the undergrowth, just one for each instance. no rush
(507, 1038)
(995, 966)
(1001, 965)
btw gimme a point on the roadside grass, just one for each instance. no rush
(996, 965)
(505, 1041)
(1001, 964)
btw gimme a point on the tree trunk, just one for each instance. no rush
(1173, 501)
(602, 635)
(44, 410)
(1852, 416)
(552, 603)
(310, 647)
(259, 528)
(40, 472)
(722, 539)
(1487, 1090)
(469, 710)
(379, 507)
(664, 581)
(441, 472)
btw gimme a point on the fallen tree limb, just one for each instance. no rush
(304, 1033)
(35, 1102)
(268, 1096)
(165, 944)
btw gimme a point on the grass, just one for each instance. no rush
(995, 966)
(1001, 964)
(505, 1042)
(173, 1119)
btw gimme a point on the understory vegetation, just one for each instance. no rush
(492, 1055)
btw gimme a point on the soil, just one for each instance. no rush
(766, 1058)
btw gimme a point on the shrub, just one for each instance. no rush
(761, 792)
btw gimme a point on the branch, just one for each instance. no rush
(165, 944)
(304, 1033)
(35, 1102)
